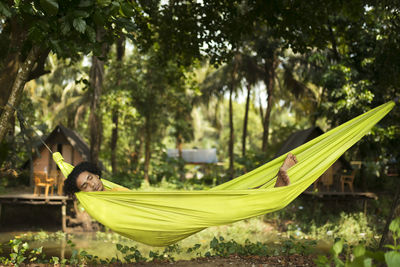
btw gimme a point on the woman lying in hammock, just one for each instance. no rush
(86, 177)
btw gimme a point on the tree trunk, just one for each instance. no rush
(96, 84)
(7, 78)
(261, 111)
(231, 136)
(147, 150)
(17, 89)
(270, 66)
(115, 111)
(181, 165)
(12, 60)
(114, 139)
(245, 121)
(138, 151)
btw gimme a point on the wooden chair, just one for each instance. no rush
(348, 178)
(42, 181)
(58, 180)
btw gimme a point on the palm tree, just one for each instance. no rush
(268, 50)
(96, 83)
(60, 93)
(225, 80)
(120, 47)
(302, 74)
(252, 74)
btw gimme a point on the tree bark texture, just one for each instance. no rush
(147, 150)
(14, 57)
(17, 89)
(137, 155)
(231, 137)
(115, 110)
(114, 139)
(12, 61)
(245, 120)
(96, 84)
(179, 142)
(270, 66)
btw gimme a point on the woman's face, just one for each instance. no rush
(88, 182)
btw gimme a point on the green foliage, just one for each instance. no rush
(351, 227)
(20, 253)
(252, 160)
(127, 179)
(361, 256)
(342, 253)
(223, 248)
(293, 246)
(130, 254)
(49, 6)
(166, 168)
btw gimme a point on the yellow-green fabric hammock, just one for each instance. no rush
(162, 218)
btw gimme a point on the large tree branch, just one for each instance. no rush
(17, 89)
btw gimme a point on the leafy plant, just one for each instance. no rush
(293, 246)
(359, 256)
(224, 249)
(20, 253)
(130, 253)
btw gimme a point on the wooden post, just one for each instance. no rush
(64, 215)
(365, 206)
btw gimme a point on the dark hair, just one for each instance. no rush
(70, 186)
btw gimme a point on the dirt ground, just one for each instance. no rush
(236, 261)
(232, 261)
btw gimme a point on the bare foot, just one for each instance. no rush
(283, 178)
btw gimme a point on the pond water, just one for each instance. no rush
(57, 244)
(103, 244)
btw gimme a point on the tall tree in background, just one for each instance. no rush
(154, 91)
(225, 80)
(96, 84)
(120, 47)
(61, 96)
(252, 74)
(268, 50)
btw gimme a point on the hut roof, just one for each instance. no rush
(298, 138)
(76, 141)
(301, 137)
(198, 156)
(72, 137)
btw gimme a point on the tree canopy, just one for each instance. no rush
(326, 62)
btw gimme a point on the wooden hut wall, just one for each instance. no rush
(42, 163)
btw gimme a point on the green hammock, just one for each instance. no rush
(162, 218)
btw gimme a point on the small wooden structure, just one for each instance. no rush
(47, 176)
(195, 156)
(29, 199)
(343, 196)
(201, 160)
(70, 145)
(332, 175)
